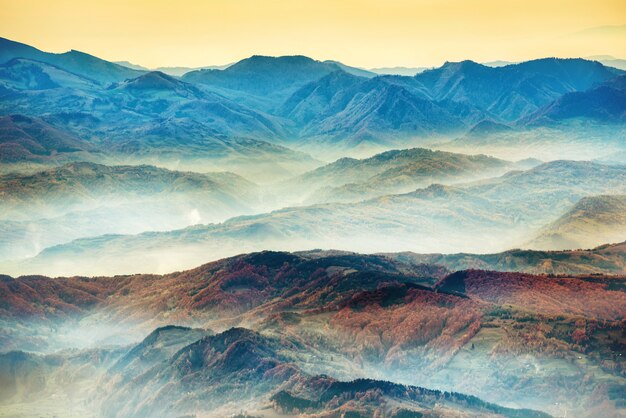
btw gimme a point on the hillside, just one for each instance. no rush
(77, 185)
(396, 171)
(605, 259)
(210, 369)
(315, 320)
(592, 221)
(23, 138)
(604, 103)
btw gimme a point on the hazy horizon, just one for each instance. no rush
(363, 34)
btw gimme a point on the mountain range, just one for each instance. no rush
(319, 107)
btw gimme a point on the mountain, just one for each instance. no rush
(153, 118)
(396, 171)
(537, 293)
(606, 103)
(339, 106)
(251, 365)
(352, 70)
(609, 61)
(76, 185)
(210, 369)
(487, 127)
(322, 332)
(498, 63)
(173, 71)
(79, 63)
(132, 66)
(354, 111)
(512, 91)
(605, 259)
(23, 138)
(592, 221)
(156, 83)
(157, 347)
(269, 80)
(25, 74)
(181, 71)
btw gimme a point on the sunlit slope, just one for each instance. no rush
(592, 221)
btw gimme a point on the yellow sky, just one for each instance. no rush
(367, 33)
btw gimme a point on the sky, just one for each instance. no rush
(365, 33)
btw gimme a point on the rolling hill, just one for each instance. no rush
(323, 332)
(488, 216)
(592, 221)
(85, 199)
(392, 172)
(605, 259)
(24, 138)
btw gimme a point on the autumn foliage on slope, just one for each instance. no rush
(590, 297)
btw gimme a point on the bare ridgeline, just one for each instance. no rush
(449, 244)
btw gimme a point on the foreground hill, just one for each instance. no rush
(216, 376)
(314, 320)
(590, 222)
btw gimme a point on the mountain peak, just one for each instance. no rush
(157, 81)
(461, 65)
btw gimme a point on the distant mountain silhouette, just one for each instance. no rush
(77, 62)
(319, 107)
(276, 77)
(512, 91)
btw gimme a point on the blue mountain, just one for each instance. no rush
(76, 62)
(604, 103)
